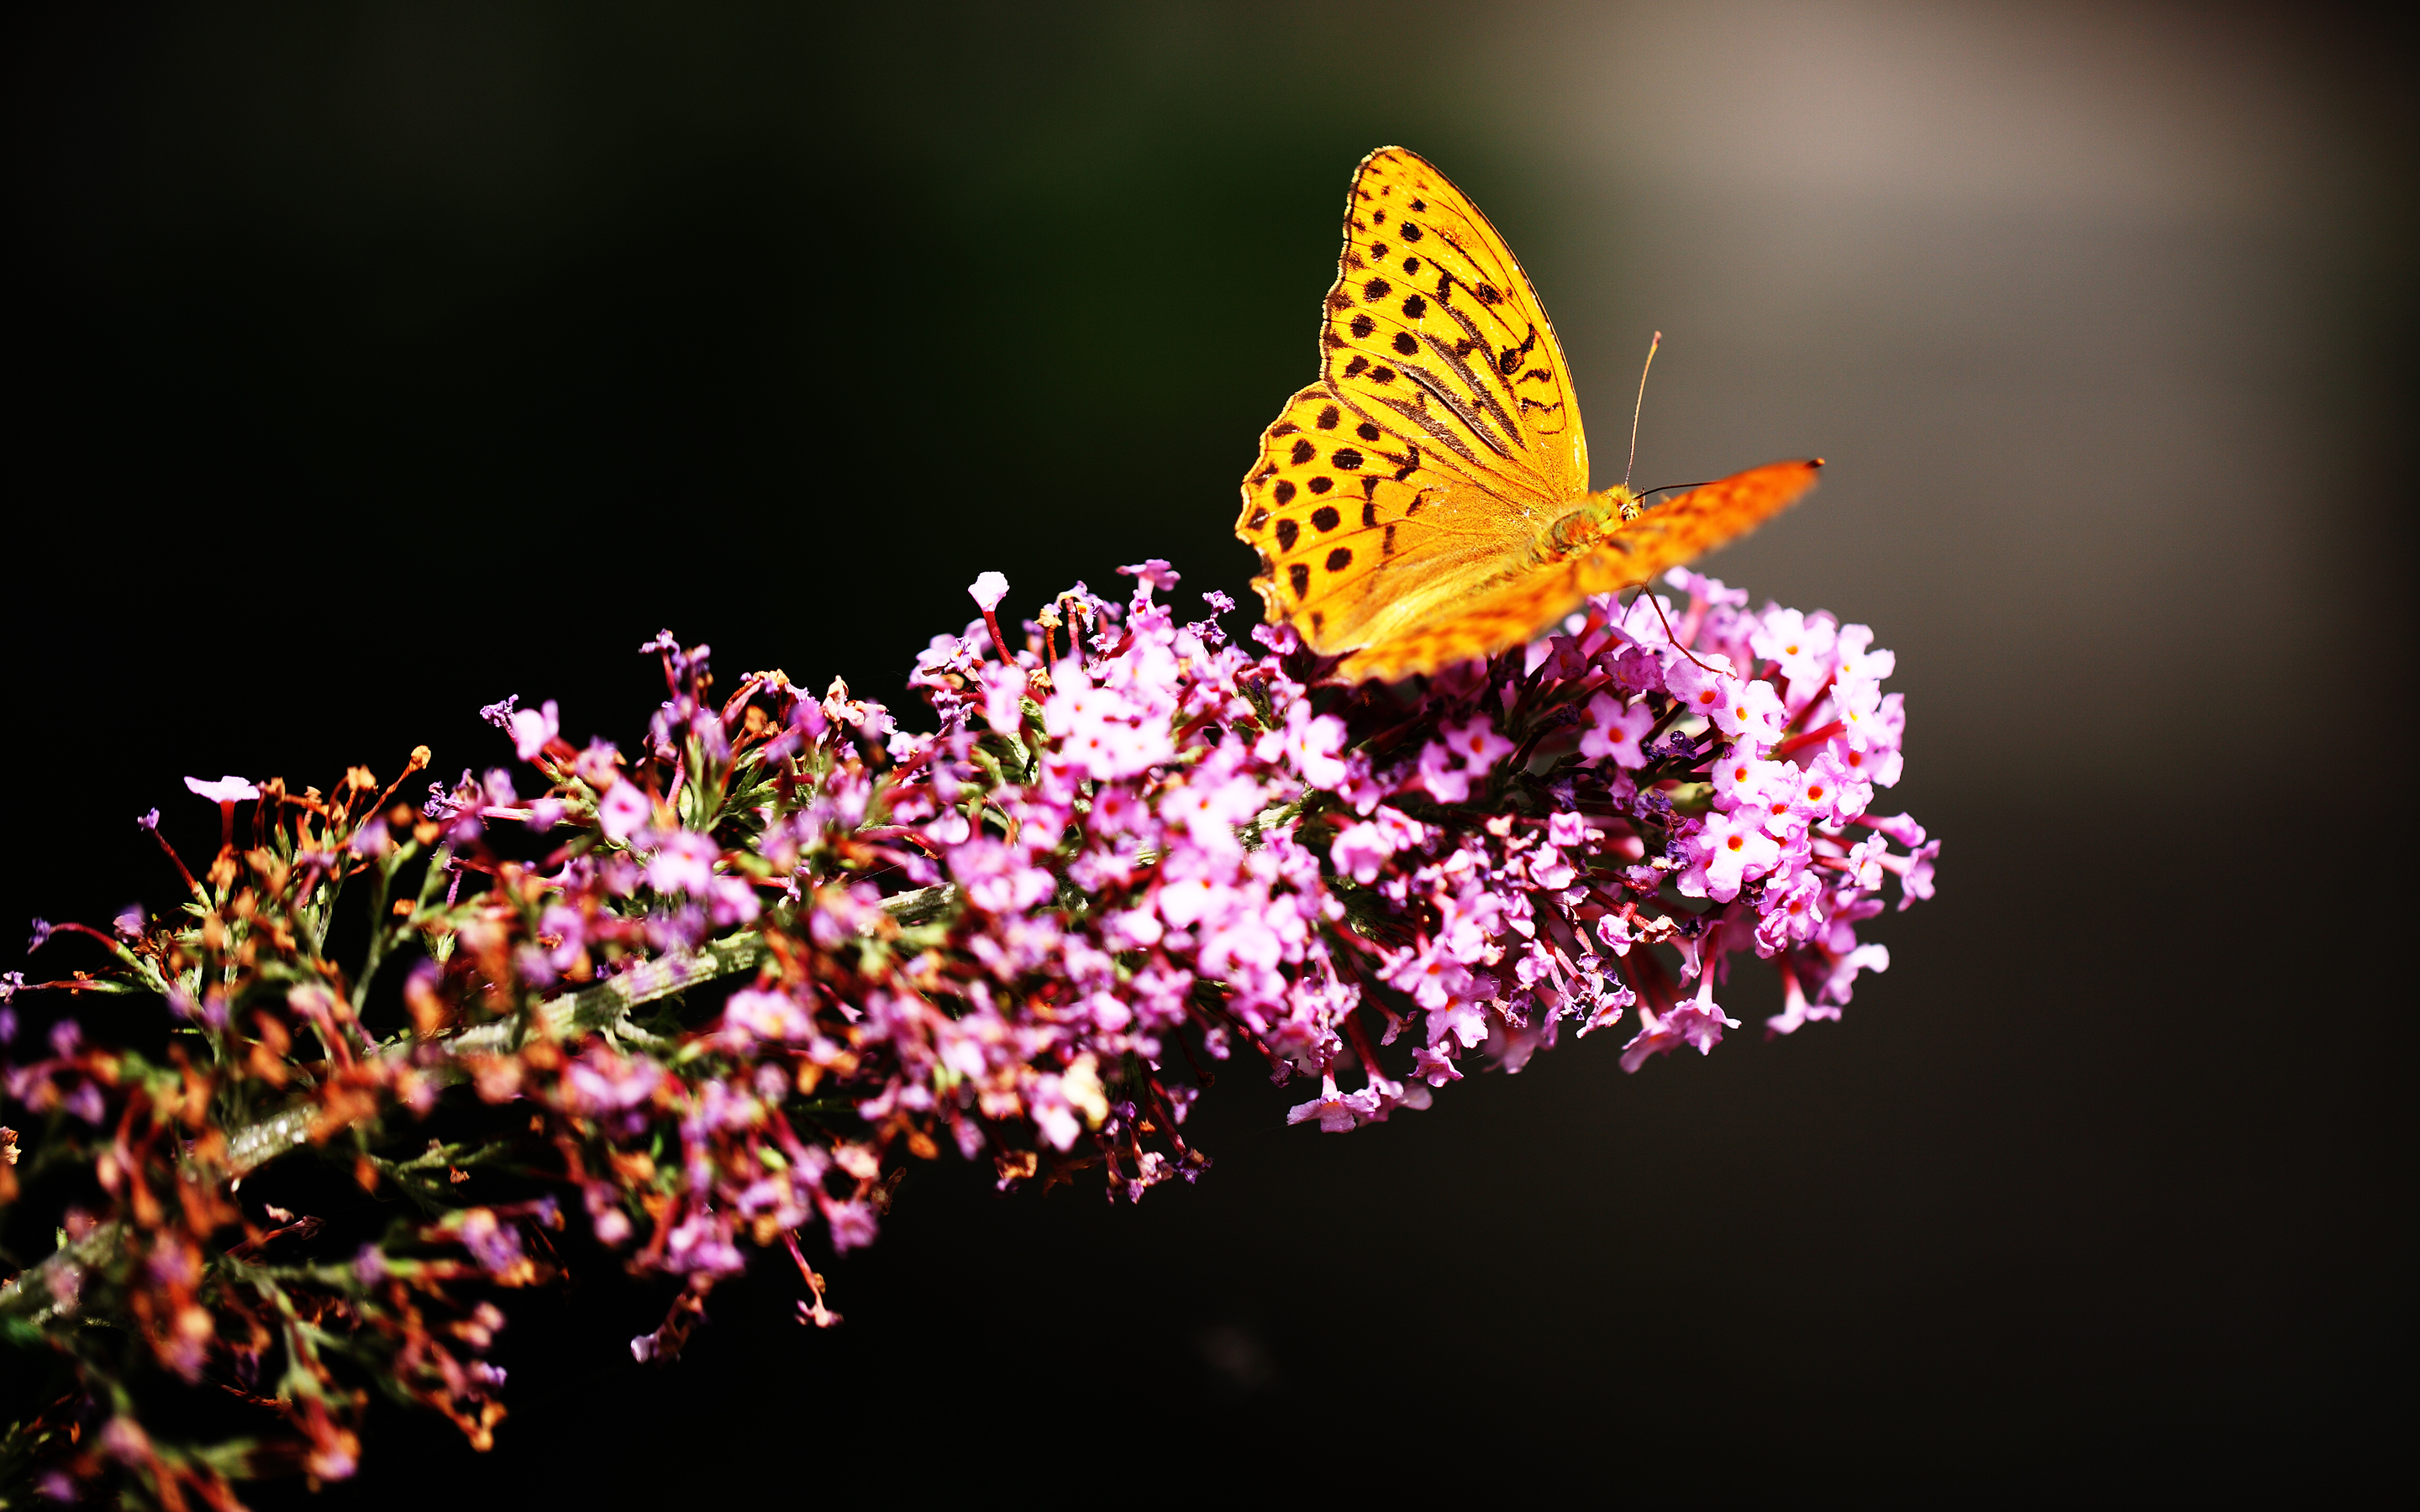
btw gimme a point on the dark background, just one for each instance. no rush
(370, 362)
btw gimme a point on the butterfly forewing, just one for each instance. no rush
(1433, 323)
(1443, 434)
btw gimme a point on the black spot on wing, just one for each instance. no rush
(1367, 431)
(1288, 531)
(1376, 289)
(1387, 548)
(1324, 519)
(1299, 574)
(1322, 484)
(1359, 365)
(1327, 418)
(1368, 504)
(1362, 325)
(1404, 343)
(1284, 492)
(1303, 452)
(1345, 458)
(1340, 559)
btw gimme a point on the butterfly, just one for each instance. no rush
(1427, 500)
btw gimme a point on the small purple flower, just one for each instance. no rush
(42, 936)
(531, 728)
(495, 1245)
(684, 862)
(624, 810)
(86, 1103)
(987, 589)
(1155, 573)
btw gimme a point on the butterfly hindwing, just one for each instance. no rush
(1706, 516)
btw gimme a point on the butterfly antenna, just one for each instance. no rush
(1637, 409)
(1648, 591)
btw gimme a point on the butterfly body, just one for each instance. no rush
(1427, 501)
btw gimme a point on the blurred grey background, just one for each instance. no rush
(374, 360)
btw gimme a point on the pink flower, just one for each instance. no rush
(532, 729)
(1825, 791)
(1155, 573)
(1614, 729)
(1441, 772)
(1800, 644)
(226, 790)
(1796, 1011)
(1789, 915)
(996, 878)
(1699, 1024)
(1004, 690)
(1308, 743)
(1332, 1109)
(684, 862)
(1743, 778)
(1915, 873)
(987, 589)
(1210, 803)
(606, 1082)
(1750, 713)
(1901, 827)
(1475, 744)
(623, 810)
(1359, 851)
(753, 1015)
(1700, 690)
(1736, 848)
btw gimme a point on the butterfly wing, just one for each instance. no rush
(1707, 516)
(1509, 608)
(1419, 476)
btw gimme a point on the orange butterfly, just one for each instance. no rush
(1427, 501)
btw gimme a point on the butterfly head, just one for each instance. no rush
(1583, 527)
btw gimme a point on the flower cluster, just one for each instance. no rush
(712, 994)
